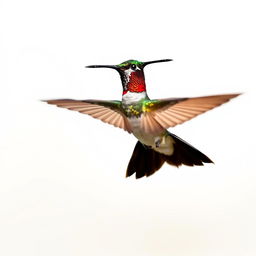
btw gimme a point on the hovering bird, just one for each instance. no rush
(148, 120)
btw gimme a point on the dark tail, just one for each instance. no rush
(145, 161)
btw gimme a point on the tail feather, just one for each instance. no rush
(145, 161)
(186, 154)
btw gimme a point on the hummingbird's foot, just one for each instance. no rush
(158, 141)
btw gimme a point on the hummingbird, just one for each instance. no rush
(148, 120)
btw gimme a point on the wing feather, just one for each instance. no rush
(161, 119)
(184, 111)
(109, 117)
(178, 111)
(106, 111)
(150, 125)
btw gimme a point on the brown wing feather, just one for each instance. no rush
(109, 113)
(173, 114)
(150, 125)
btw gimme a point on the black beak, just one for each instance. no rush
(155, 61)
(102, 66)
(118, 68)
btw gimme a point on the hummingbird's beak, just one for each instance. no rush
(155, 61)
(102, 66)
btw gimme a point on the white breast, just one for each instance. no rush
(133, 97)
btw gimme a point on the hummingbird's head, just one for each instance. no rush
(131, 73)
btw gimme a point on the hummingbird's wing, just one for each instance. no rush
(170, 112)
(107, 111)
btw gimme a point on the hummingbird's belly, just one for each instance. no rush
(162, 142)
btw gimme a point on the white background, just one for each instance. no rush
(62, 174)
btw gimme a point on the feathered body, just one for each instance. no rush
(148, 120)
(135, 105)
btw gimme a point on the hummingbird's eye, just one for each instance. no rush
(133, 66)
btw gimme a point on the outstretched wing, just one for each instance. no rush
(107, 111)
(170, 112)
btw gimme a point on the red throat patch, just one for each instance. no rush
(136, 82)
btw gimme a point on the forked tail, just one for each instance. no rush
(145, 161)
